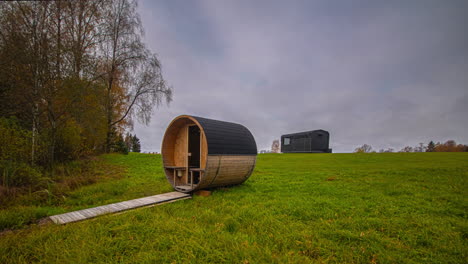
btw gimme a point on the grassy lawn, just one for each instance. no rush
(299, 208)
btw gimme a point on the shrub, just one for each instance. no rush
(70, 143)
(121, 147)
(15, 142)
(17, 174)
(15, 156)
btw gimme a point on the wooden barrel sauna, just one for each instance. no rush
(200, 153)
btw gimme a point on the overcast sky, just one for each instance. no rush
(385, 73)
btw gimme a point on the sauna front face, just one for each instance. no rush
(201, 153)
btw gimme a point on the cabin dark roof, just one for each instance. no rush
(226, 138)
(305, 133)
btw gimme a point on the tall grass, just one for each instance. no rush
(49, 191)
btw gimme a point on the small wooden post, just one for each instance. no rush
(203, 193)
(191, 178)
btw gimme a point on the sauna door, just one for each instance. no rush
(194, 147)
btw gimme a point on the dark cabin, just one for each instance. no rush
(315, 141)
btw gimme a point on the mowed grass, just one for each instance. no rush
(295, 208)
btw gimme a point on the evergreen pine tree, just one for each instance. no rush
(129, 141)
(136, 146)
(430, 147)
(120, 146)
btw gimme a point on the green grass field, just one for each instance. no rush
(296, 208)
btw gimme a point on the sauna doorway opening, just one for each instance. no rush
(194, 153)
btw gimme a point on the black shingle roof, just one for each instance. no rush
(226, 138)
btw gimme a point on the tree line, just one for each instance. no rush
(448, 146)
(74, 76)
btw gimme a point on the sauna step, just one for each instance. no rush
(118, 207)
(186, 187)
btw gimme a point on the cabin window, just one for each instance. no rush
(287, 141)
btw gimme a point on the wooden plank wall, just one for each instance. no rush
(180, 147)
(234, 169)
(203, 150)
(227, 170)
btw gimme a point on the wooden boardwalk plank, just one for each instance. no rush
(117, 207)
(85, 213)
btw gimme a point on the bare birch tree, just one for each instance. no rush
(133, 74)
(363, 149)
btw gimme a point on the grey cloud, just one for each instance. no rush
(385, 74)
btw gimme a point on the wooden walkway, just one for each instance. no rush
(118, 207)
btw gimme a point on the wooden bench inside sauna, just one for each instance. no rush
(200, 153)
